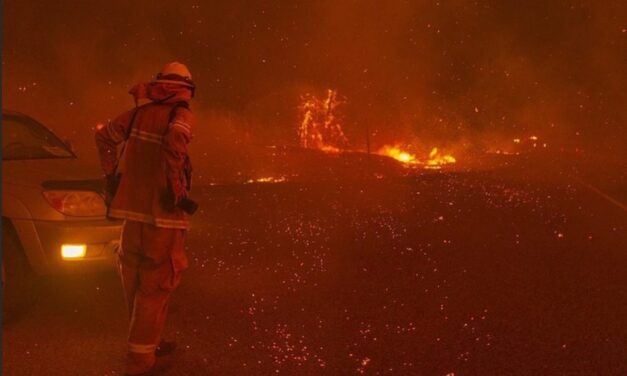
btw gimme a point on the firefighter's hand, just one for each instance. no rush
(110, 182)
(111, 186)
(188, 205)
(168, 201)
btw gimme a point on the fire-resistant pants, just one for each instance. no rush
(151, 260)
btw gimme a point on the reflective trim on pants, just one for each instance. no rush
(141, 349)
(151, 261)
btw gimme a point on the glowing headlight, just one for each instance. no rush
(77, 203)
(73, 251)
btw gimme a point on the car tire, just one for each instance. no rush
(18, 279)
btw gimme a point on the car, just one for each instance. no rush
(53, 212)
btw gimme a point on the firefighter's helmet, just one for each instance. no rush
(175, 73)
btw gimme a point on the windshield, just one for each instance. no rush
(24, 138)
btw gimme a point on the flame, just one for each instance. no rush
(320, 127)
(435, 160)
(398, 154)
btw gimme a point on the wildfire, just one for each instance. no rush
(398, 154)
(437, 160)
(320, 127)
(434, 161)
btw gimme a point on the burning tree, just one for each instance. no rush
(320, 127)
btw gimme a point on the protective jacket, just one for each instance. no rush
(154, 164)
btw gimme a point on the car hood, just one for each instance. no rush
(35, 172)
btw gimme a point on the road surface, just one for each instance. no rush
(444, 274)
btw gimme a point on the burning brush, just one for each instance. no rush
(320, 129)
(434, 161)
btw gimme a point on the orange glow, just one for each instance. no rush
(502, 152)
(268, 179)
(398, 154)
(435, 159)
(329, 149)
(320, 127)
(73, 251)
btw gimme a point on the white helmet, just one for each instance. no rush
(175, 73)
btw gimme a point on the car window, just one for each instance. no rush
(24, 138)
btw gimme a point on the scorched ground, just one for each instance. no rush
(443, 273)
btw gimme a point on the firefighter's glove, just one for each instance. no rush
(111, 186)
(168, 201)
(188, 205)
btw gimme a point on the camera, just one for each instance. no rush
(188, 205)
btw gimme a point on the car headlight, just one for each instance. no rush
(77, 203)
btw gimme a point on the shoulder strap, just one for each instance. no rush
(128, 135)
(177, 105)
(130, 125)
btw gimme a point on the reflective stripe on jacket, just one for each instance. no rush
(152, 167)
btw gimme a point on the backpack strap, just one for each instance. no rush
(128, 135)
(177, 105)
(130, 125)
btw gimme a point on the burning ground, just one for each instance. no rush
(494, 272)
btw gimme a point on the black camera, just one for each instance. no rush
(169, 204)
(188, 205)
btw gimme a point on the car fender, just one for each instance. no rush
(18, 215)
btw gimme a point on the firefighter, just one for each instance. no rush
(148, 184)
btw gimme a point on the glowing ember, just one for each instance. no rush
(320, 127)
(502, 152)
(268, 179)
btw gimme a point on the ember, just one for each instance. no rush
(268, 179)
